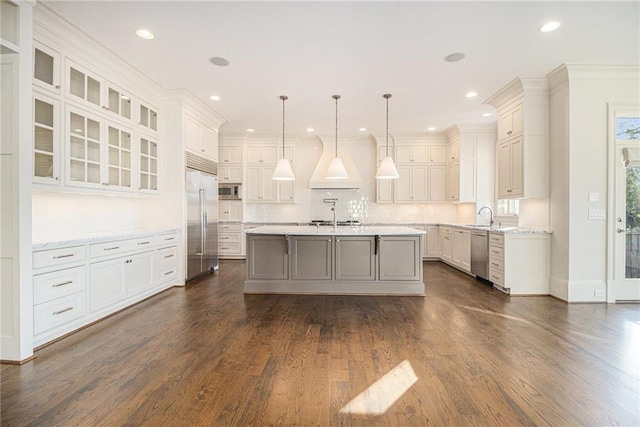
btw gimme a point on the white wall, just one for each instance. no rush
(578, 167)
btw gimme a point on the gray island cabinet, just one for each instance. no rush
(344, 261)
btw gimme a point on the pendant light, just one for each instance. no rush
(283, 170)
(387, 169)
(336, 168)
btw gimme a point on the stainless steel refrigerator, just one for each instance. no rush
(202, 219)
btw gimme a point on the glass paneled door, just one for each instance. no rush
(627, 208)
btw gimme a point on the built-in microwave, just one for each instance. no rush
(229, 191)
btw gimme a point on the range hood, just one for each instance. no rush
(318, 180)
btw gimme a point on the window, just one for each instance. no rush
(508, 207)
(627, 128)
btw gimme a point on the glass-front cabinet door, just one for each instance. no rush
(148, 116)
(119, 157)
(117, 101)
(83, 84)
(46, 140)
(84, 142)
(46, 68)
(148, 164)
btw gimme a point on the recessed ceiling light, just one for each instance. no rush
(145, 34)
(471, 94)
(431, 128)
(550, 26)
(487, 115)
(219, 61)
(310, 129)
(214, 98)
(454, 57)
(251, 130)
(362, 129)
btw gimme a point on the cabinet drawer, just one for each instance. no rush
(168, 255)
(58, 312)
(496, 253)
(229, 227)
(167, 239)
(496, 263)
(496, 277)
(167, 273)
(60, 256)
(120, 246)
(230, 238)
(58, 284)
(496, 239)
(229, 248)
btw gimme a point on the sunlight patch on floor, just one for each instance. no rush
(382, 394)
(493, 313)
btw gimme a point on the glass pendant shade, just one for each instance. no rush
(387, 169)
(336, 169)
(283, 171)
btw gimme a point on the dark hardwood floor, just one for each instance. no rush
(206, 355)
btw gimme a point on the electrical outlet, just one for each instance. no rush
(597, 214)
(599, 293)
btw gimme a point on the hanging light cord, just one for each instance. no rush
(284, 98)
(387, 96)
(336, 97)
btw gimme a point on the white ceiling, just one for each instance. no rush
(360, 50)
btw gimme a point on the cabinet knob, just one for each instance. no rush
(202, 150)
(57, 86)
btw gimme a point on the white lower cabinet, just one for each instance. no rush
(432, 249)
(461, 256)
(79, 284)
(230, 240)
(446, 243)
(519, 263)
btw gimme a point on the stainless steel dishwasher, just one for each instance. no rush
(480, 254)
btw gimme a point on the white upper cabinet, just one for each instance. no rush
(84, 142)
(523, 139)
(408, 154)
(148, 117)
(119, 156)
(117, 101)
(438, 154)
(230, 155)
(262, 155)
(200, 139)
(83, 85)
(46, 139)
(46, 68)
(148, 160)
(510, 123)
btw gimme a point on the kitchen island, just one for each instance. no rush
(372, 260)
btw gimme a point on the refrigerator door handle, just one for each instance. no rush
(200, 208)
(204, 221)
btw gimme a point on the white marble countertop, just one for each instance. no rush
(84, 238)
(367, 230)
(494, 229)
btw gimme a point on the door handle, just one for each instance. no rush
(620, 230)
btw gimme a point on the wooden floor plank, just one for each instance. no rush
(208, 355)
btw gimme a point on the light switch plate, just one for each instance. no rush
(594, 197)
(598, 214)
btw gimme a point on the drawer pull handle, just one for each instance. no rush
(168, 273)
(143, 243)
(169, 238)
(168, 256)
(57, 285)
(63, 256)
(111, 249)
(64, 310)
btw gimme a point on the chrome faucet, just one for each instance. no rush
(491, 221)
(334, 202)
